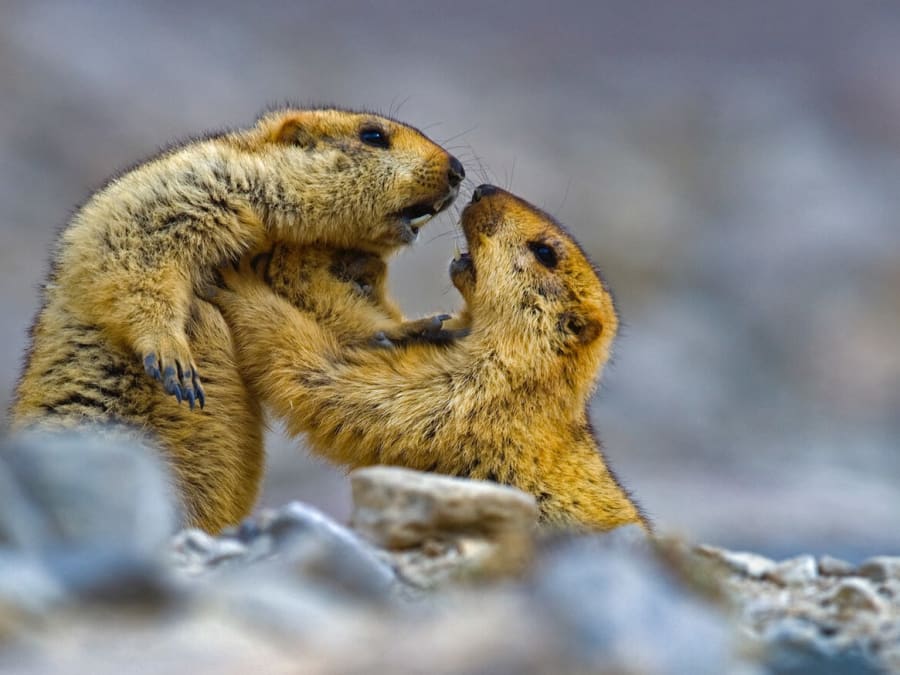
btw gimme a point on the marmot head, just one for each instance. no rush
(526, 278)
(366, 180)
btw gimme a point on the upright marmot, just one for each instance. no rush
(127, 269)
(127, 265)
(506, 403)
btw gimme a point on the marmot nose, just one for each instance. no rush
(456, 172)
(483, 191)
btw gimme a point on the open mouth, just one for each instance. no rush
(462, 262)
(415, 216)
(418, 214)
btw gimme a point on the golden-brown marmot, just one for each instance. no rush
(505, 403)
(121, 294)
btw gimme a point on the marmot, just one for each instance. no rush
(507, 402)
(130, 260)
(329, 176)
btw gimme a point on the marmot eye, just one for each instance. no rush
(374, 136)
(544, 253)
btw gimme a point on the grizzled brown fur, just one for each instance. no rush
(121, 298)
(507, 402)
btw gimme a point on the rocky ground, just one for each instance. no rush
(731, 167)
(433, 575)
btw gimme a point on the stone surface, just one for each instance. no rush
(853, 595)
(830, 566)
(749, 564)
(613, 605)
(440, 529)
(91, 489)
(290, 590)
(799, 570)
(881, 568)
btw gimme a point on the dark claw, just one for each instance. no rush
(187, 385)
(444, 317)
(171, 383)
(201, 396)
(151, 367)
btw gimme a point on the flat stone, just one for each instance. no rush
(853, 595)
(880, 568)
(227, 549)
(440, 529)
(747, 564)
(399, 508)
(835, 567)
(794, 571)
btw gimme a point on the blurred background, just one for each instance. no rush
(732, 167)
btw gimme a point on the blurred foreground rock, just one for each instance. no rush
(436, 575)
(439, 529)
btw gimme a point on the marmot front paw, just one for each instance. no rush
(428, 329)
(175, 368)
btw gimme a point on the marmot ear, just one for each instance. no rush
(584, 329)
(293, 131)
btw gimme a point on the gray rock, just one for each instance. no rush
(228, 549)
(835, 567)
(614, 607)
(110, 576)
(796, 646)
(320, 549)
(746, 564)
(854, 595)
(90, 489)
(27, 586)
(880, 568)
(194, 542)
(794, 571)
(297, 542)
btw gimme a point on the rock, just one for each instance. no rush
(323, 551)
(612, 605)
(835, 567)
(398, 508)
(747, 564)
(439, 528)
(111, 577)
(796, 647)
(794, 571)
(101, 489)
(27, 587)
(194, 543)
(880, 568)
(854, 595)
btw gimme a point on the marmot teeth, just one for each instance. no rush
(459, 254)
(421, 220)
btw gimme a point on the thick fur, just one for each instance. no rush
(122, 292)
(132, 257)
(505, 403)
